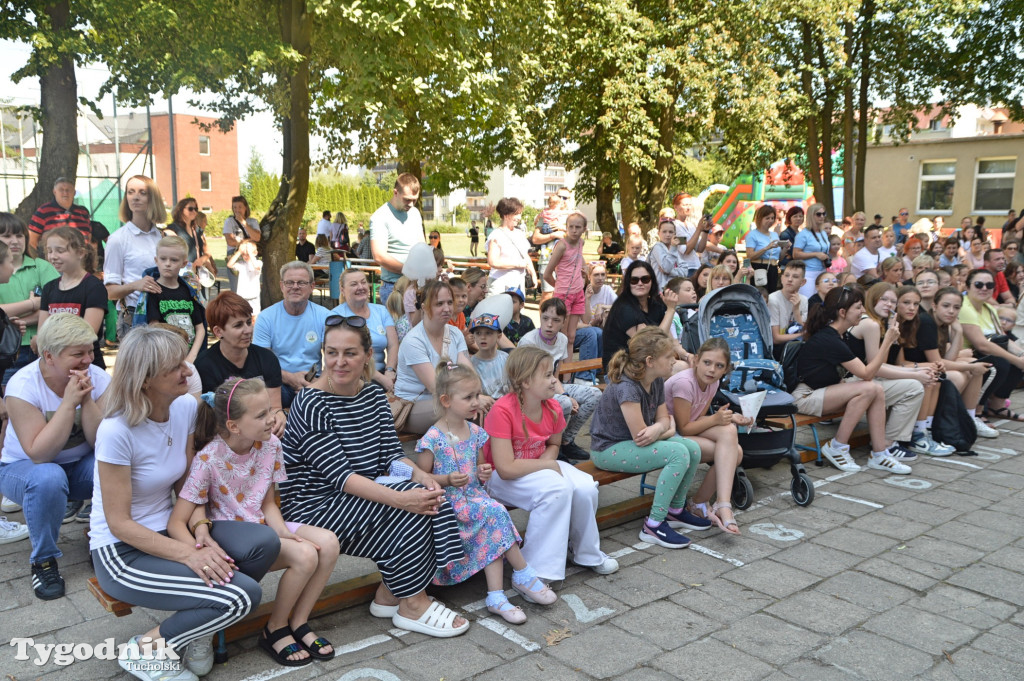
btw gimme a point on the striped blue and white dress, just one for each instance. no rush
(332, 437)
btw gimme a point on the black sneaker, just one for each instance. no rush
(86, 512)
(71, 510)
(571, 451)
(46, 580)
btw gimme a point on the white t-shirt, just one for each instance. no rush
(248, 272)
(28, 385)
(512, 244)
(864, 260)
(416, 348)
(884, 252)
(231, 227)
(130, 252)
(324, 227)
(606, 296)
(398, 231)
(684, 230)
(559, 349)
(155, 466)
(780, 310)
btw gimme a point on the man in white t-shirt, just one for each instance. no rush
(689, 229)
(787, 308)
(867, 259)
(324, 226)
(394, 228)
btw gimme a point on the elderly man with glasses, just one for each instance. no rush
(61, 212)
(292, 329)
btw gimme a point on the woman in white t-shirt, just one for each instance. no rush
(144, 449)
(508, 251)
(55, 406)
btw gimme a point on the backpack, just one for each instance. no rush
(10, 342)
(790, 353)
(951, 425)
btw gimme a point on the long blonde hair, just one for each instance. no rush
(394, 303)
(650, 341)
(145, 352)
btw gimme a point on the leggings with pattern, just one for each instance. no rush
(677, 457)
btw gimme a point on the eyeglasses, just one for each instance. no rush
(643, 279)
(355, 321)
(295, 284)
(984, 284)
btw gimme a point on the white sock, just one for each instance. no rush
(970, 412)
(879, 455)
(920, 426)
(840, 446)
(928, 422)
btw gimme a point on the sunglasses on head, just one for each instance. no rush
(984, 284)
(353, 322)
(642, 279)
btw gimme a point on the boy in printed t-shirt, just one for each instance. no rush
(177, 303)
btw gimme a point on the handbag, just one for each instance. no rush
(10, 342)
(401, 408)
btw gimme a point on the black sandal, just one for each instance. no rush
(268, 639)
(319, 643)
(1004, 413)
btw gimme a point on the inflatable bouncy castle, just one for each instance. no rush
(782, 185)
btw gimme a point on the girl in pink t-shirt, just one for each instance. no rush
(688, 395)
(233, 476)
(525, 428)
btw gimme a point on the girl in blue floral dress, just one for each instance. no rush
(450, 450)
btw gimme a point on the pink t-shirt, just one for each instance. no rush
(505, 420)
(234, 485)
(409, 300)
(684, 385)
(838, 265)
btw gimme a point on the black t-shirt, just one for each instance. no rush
(304, 250)
(819, 358)
(176, 307)
(474, 235)
(261, 363)
(89, 292)
(612, 248)
(624, 315)
(927, 339)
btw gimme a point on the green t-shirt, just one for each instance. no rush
(32, 273)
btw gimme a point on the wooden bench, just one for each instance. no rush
(567, 369)
(808, 453)
(359, 590)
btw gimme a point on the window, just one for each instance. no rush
(207, 209)
(993, 185)
(204, 145)
(551, 188)
(936, 191)
(935, 124)
(205, 181)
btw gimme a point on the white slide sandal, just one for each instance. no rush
(437, 621)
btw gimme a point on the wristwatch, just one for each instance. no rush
(390, 369)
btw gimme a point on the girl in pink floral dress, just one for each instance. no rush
(450, 450)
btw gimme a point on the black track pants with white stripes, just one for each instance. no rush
(132, 576)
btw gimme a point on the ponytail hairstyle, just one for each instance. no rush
(394, 303)
(908, 328)
(648, 342)
(447, 375)
(871, 299)
(76, 242)
(840, 298)
(223, 404)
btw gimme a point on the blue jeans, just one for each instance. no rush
(43, 490)
(386, 287)
(24, 358)
(589, 342)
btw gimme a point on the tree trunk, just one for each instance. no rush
(863, 120)
(604, 194)
(849, 205)
(627, 193)
(58, 101)
(828, 111)
(813, 142)
(663, 164)
(281, 224)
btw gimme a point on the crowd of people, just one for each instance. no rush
(213, 401)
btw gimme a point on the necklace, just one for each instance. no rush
(170, 440)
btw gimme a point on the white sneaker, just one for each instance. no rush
(151, 667)
(838, 458)
(8, 506)
(199, 656)
(923, 444)
(984, 430)
(607, 567)
(11, 531)
(888, 464)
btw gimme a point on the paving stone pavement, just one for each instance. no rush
(882, 577)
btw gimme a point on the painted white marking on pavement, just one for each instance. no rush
(503, 631)
(398, 633)
(776, 531)
(839, 476)
(998, 423)
(582, 612)
(852, 499)
(715, 554)
(997, 450)
(622, 552)
(962, 463)
(365, 643)
(270, 674)
(642, 546)
(368, 672)
(1011, 432)
(909, 483)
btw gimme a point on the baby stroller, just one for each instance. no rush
(739, 314)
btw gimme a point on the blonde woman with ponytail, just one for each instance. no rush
(632, 433)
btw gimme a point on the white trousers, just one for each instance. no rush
(562, 513)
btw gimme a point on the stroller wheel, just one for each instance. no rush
(742, 492)
(803, 490)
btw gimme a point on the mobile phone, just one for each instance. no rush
(746, 263)
(38, 290)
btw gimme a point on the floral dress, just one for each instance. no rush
(484, 524)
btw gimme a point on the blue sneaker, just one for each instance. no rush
(663, 535)
(687, 521)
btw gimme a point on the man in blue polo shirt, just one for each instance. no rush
(293, 329)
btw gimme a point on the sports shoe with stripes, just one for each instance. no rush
(46, 580)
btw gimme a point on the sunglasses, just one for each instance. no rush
(903, 215)
(435, 236)
(643, 279)
(984, 284)
(354, 322)
(191, 209)
(820, 214)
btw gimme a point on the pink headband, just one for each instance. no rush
(228, 408)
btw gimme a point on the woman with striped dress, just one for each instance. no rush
(339, 439)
